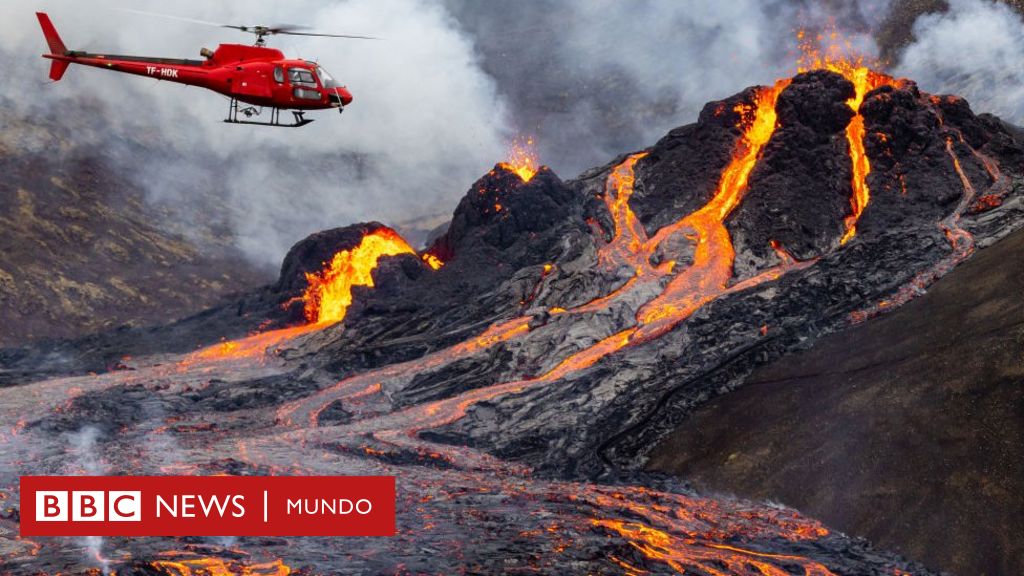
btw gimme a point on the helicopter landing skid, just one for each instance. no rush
(275, 116)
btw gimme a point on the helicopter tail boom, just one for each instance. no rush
(57, 47)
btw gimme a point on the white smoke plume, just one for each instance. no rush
(592, 79)
(85, 459)
(425, 123)
(974, 50)
(452, 82)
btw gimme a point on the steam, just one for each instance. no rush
(975, 50)
(84, 459)
(592, 79)
(425, 123)
(439, 98)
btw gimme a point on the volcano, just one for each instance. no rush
(517, 374)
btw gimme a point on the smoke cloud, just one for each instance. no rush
(84, 458)
(450, 85)
(425, 123)
(592, 79)
(975, 50)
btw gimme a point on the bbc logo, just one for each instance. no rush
(89, 506)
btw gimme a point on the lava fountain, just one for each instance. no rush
(522, 159)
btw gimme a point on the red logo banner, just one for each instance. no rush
(207, 506)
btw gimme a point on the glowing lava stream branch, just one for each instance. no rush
(858, 156)
(706, 279)
(961, 241)
(864, 80)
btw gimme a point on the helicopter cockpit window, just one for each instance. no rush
(301, 77)
(307, 94)
(325, 78)
(278, 74)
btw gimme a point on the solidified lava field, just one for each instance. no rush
(514, 376)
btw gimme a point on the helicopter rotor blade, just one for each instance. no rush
(180, 18)
(285, 29)
(329, 35)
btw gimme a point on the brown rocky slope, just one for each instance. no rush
(81, 249)
(908, 429)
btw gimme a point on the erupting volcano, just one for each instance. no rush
(834, 58)
(522, 159)
(329, 293)
(515, 374)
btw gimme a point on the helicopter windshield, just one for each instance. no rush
(325, 78)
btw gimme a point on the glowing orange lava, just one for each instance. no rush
(712, 268)
(253, 346)
(206, 566)
(432, 261)
(836, 57)
(329, 293)
(522, 160)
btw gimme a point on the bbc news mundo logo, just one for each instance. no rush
(207, 506)
(89, 506)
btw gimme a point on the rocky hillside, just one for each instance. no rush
(573, 326)
(82, 249)
(906, 430)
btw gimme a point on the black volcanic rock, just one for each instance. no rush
(912, 173)
(310, 254)
(800, 190)
(500, 212)
(903, 418)
(681, 172)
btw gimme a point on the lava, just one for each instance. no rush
(684, 533)
(432, 260)
(327, 296)
(712, 267)
(329, 293)
(522, 160)
(836, 58)
(254, 346)
(210, 566)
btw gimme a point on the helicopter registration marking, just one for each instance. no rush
(162, 72)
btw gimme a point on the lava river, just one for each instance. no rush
(460, 510)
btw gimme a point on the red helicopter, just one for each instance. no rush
(256, 76)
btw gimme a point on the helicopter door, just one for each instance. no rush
(251, 83)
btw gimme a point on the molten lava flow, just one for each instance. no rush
(683, 554)
(758, 123)
(206, 566)
(329, 293)
(253, 346)
(327, 297)
(707, 278)
(432, 261)
(522, 160)
(836, 58)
